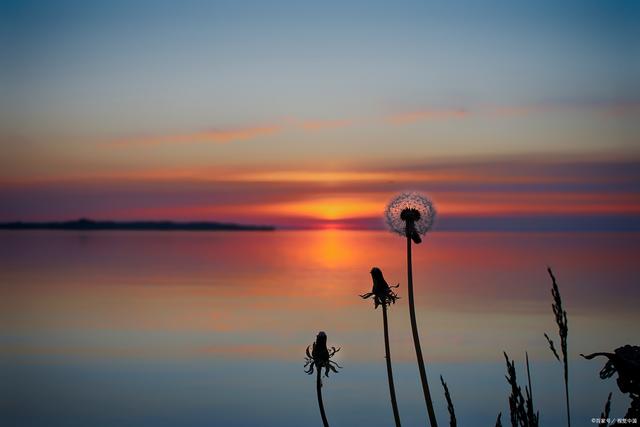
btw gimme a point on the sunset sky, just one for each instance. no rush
(313, 114)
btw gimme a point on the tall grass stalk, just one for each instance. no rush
(607, 409)
(529, 392)
(452, 412)
(520, 408)
(526, 356)
(563, 331)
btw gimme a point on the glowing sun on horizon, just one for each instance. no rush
(330, 208)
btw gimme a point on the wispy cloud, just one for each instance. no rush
(622, 108)
(617, 108)
(226, 135)
(515, 110)
(315, 125)
(220, 136)
(429, 114)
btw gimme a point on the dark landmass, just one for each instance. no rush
(88, 224)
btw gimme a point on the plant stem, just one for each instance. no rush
(416, 340)
(392, 389)
(319, 391)
(529, 377)
(566, 390)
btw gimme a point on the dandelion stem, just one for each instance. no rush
(416, 340)
(320, 404)
(392, 389)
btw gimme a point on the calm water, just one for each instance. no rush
(209, 329)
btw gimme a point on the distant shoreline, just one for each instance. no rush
(90, 225)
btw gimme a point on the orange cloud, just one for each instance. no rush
(328, 208)
(222, 136)
(328, 176)
(217, 136)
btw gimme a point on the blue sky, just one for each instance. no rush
(257, 61)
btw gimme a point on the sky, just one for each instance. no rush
(314, 114)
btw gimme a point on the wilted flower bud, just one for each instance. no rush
(320, 356)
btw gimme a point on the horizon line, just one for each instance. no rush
(450, 223)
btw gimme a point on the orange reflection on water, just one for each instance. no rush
(224, 294)
(331, 249)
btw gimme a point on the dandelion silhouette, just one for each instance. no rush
(411, 215)
(383, 295)
(320, 358)
(625, 361)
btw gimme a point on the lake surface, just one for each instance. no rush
(209, 328)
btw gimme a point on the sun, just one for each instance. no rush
(329, 208)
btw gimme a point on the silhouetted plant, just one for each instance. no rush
(520, 408)
(381, 291)
(552, 347)
(626, 362)
(383, 295)
(452, 412)
(499, 420)
(411, 215)
(604, 415)
(607, 408)
(530, 413)
(563, 330)
(320, 357)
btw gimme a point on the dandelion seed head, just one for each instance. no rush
(410, 208)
